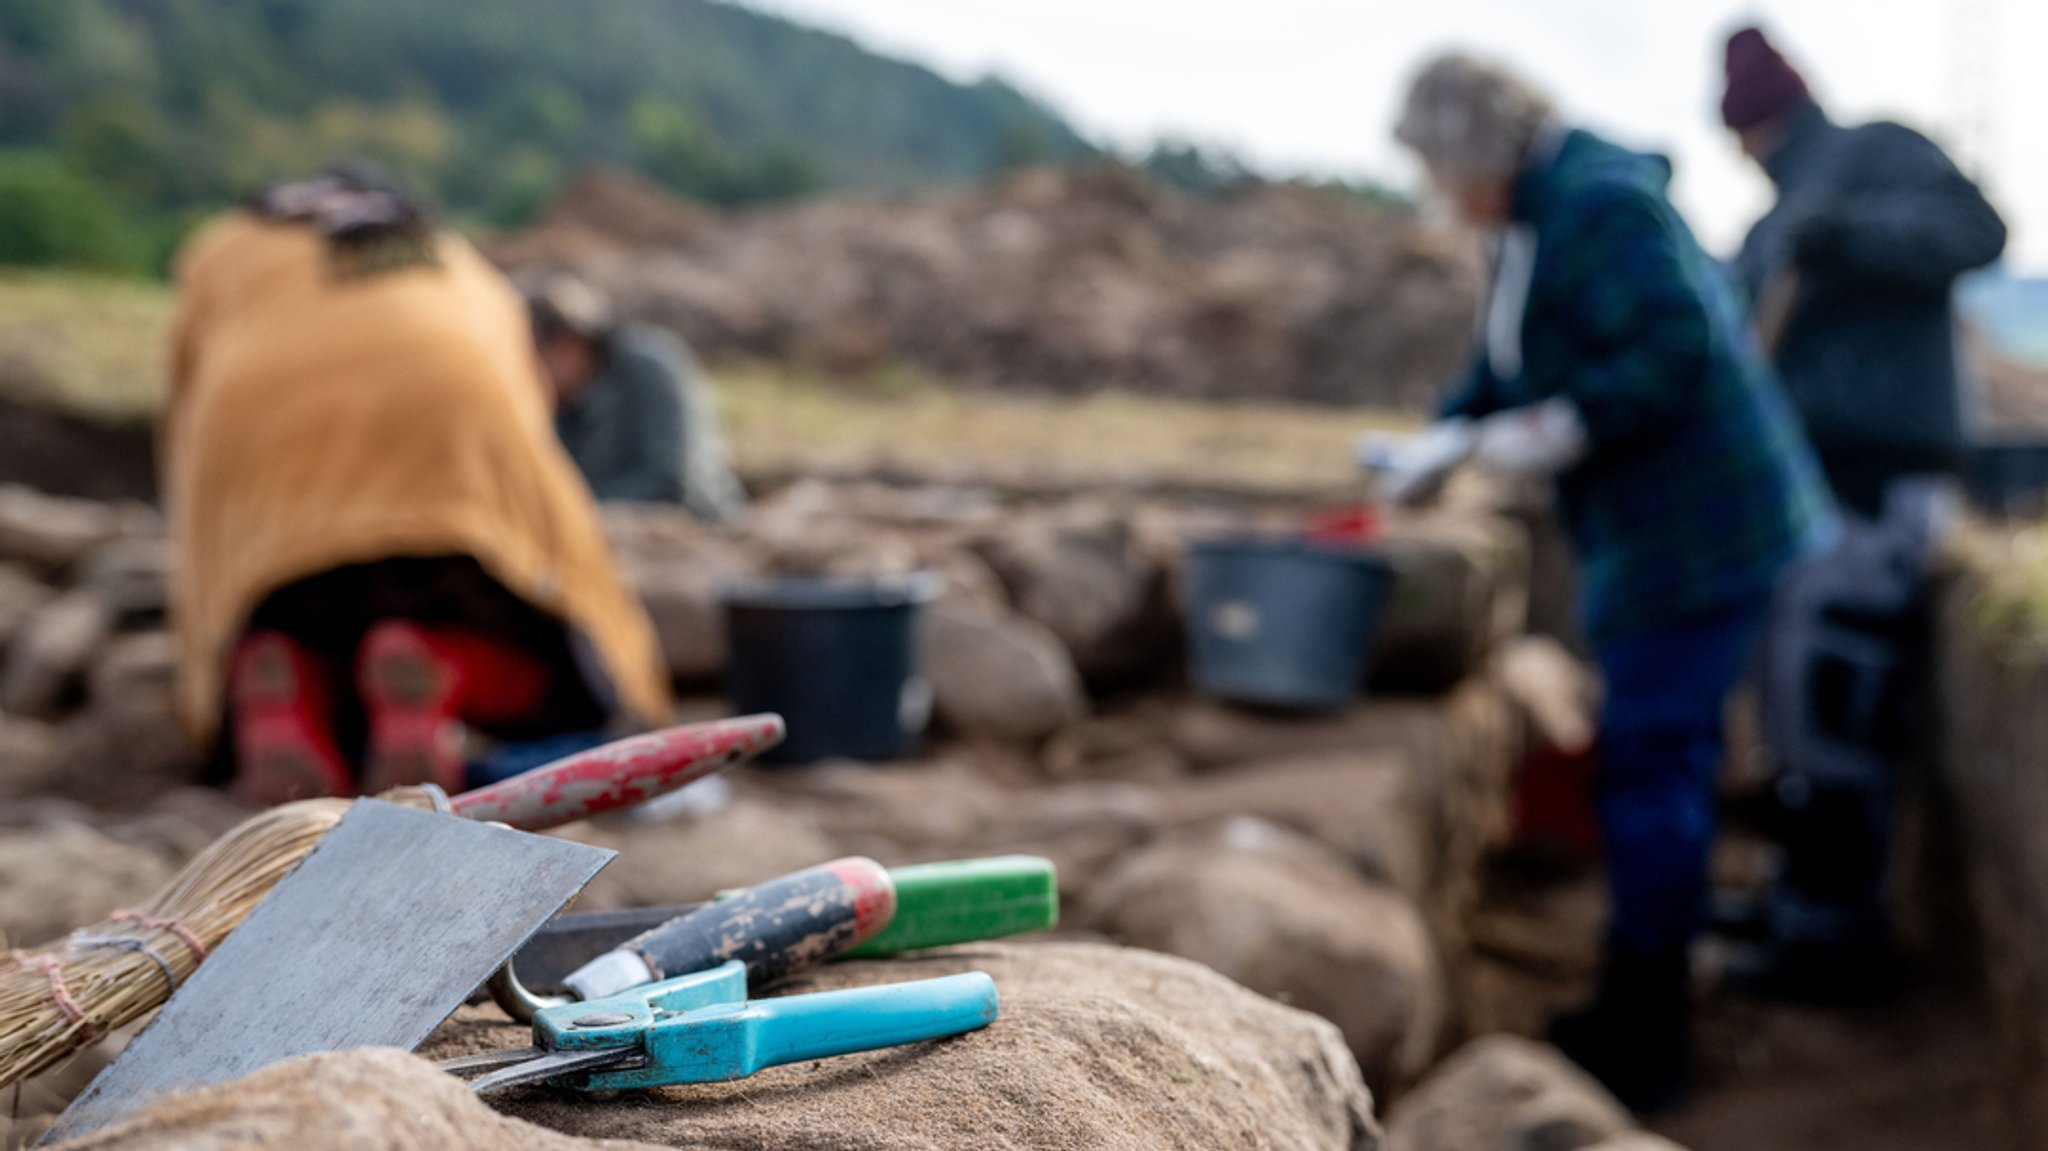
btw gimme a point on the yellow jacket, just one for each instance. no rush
(316, 422)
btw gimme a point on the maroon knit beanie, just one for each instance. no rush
(1760, 83)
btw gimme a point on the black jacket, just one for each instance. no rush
(1877, 224)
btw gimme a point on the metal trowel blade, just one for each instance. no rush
(373, 940)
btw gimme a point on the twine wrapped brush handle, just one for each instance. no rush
(59, 999)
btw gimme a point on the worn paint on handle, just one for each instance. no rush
(784, 925)
(621, 774)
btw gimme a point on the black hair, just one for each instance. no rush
(370, 222)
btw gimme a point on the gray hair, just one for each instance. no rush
(1471, 119)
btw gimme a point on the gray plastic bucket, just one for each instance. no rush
(1283, 623)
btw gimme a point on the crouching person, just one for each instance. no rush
(379, 546)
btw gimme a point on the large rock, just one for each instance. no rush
(1284, 916)
(1373, 808)
(895, 812)
(1461, 591)
(1000, 676)
(49, 657)
(62, 873)
(53, 533)
(1085, 573)
(30, 757)
(695, 857)
(1084, 828)
(1097, 1047)
(132, 574)
(1555, 695)
(951, 809)
(132, 715)
(682, 601)
(20, 595)
(1506, 1094)
(1130, 744)
(1460, 750)
(370, 1097)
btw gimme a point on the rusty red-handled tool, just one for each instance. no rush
(619, 775)
(774, 928)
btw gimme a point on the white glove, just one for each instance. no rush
(1410, 469)
(1540, 439)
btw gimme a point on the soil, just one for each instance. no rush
(71, 455)
(1914, 1075)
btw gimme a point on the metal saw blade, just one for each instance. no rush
(374, 939)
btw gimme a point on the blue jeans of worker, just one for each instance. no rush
(1660, 750)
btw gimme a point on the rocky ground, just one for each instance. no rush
(1350, 866)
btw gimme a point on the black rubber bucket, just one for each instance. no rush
(838, 659)
(1282, 623)
(2009, 477)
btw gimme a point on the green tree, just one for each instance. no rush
(122, 143)
(52, 218)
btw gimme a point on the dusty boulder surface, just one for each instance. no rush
(1502, 1093)
(1284, 916)
(132, 574)
(1085, 573)
(1460, 592)
(20, 595)
(692, 858)
(30, 757)
(52, 652)
(998, 675)
(1097, 1047)
(1373, 808)
(130, 730)
(377, 1097)
(51, 534)
(61, 873)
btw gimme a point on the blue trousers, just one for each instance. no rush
(1660, 750)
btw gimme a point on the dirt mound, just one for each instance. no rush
(1047, 281)
(1097, 1048)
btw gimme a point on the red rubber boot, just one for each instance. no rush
(422, 685)
(283, 731)
(410, 695)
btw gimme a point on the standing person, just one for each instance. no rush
(1853, 272)
(631, 405)
(379, 546)
(1614, 358)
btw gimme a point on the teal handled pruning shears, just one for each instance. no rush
(701, 1028)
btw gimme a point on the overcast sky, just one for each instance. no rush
(1310, 86)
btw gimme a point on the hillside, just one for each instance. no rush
(124, 112)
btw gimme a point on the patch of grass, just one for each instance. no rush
(99, 346)
(780, 421)
(84, 343)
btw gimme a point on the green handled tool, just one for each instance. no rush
(936, 904)
(966, 901)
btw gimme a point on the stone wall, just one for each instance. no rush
(1992, 678)
(1349, 848)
